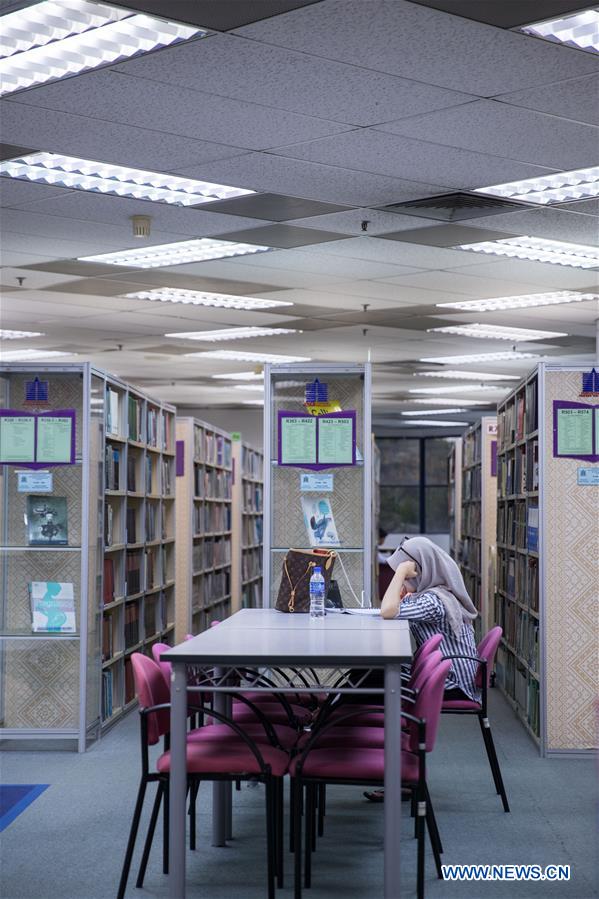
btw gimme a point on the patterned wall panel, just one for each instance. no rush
(42, 681)
(571, 551)
(66, 482)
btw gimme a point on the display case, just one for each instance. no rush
(478, 526)
(204, 499)
(247, 517)
(64, 545)
(318, 472)
(547, 555)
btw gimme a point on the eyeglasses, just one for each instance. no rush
(402, 547)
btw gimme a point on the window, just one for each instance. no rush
(414, 484)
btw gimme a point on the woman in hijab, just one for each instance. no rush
(428, 590)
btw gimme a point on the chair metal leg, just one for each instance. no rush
(322, 793)
(313, 825)
(132, 837)
(420, 816)
(165, 824)
(194, 789)
(150, 836)
(493, 761)
(297, 837)
(291, 813)
(432, 821)
(270, 843)
(309, 834)
(280, 831)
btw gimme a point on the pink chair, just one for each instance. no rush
(486, 650)
(341, 765)
(231, 760)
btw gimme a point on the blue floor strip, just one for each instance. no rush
(14, 799)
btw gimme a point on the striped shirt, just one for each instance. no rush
(427, 617)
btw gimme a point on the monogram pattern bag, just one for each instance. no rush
(298, 565)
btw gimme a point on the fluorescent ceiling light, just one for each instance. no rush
(254, 387)
(201, 298)
(496, 332)
(433, 411)
(50, 40)
(455, 388)
(231, 334)
(200, 250)
(561, 187)
(538, 249)
(242, 376)
(104, 178)
(580, 30)
(17, 335)
(437, 424)
(507, 356)
(30, 354)
(253, 402)
(525, 301)
(241, 356)
(465, 375)
(445, 401)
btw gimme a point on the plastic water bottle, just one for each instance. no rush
(317, 610)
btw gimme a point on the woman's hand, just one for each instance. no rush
(409, 568)
(393, 594)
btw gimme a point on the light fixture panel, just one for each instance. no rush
(204, 298)
(434, 411)
(202, 249)
(231, 334)
(429, 423)
(496, 332)
(524, 301)
(466, 375)
(580, 30)
(537, 249)
(456, 388)
(234, 356)
(241, 376)
(51, 40)
(122, 181)
(473, 358)
(31, 355)
(561, 187)
(7, 334)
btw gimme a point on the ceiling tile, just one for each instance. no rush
(282, 79)
(215, 15)
(299, 178)
(375, 151)
(554, 223)
(96, 138)
(16, 193)
(505, 14)
(350, 222)
(273, 207)
(118, 98)
(444, 235)
(508, 131)
(282, 236)
(412, 41)
(539, 274)
(576, 99)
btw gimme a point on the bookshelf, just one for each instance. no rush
(376, 518)
(138, 582)
(547, 566)
(304, 505)
(247, 508)
(69, 682)
(454, 496)
(204, 524)
(478, 519)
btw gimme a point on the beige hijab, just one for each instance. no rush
(439, 574)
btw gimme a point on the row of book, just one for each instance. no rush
(471, 484)
(112, 467)
(138, 472)
(251, 595)
(518, 470)
(471, 519)
(209, 518)
(157, 422)
(211, 553)
(107, 684)
(518, 578)
(132, 630)
(520, 686)
(519, 416)
(154, 614)
(213, 586)
(252, 530)
(211, 483)
(211, 448)
(251, 463)
(252, 497)
(472, 583)
(251, 565)
(471, 448)
(469, 553)
(518, 524)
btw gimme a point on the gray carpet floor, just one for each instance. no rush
(69, 843)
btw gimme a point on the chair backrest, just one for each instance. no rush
(487, 649)
(425, 669)
(429, 645)
(428, 706)
(151, 689)
(165, 667)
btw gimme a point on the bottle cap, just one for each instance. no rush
(318, 570)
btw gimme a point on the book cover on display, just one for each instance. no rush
(52, 607)
(47, 521)
(319, 521)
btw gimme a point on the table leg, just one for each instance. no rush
(392, 779)
(219, 788)
(178, 781)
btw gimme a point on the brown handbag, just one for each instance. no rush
(298, 565)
